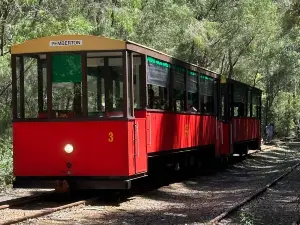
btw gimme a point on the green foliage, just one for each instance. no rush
(246, 218)
(283, 112)
(6, 175)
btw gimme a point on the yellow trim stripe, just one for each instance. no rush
(67, 43)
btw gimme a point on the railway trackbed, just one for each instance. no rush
(46, 212)
(22, 209)
(259, 192)
(32, 207)
(22, 200)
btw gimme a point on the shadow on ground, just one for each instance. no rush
(279, 205)
(198, 200)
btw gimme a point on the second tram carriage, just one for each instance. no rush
(97, 113)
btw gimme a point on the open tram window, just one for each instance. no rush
(114, 91)
(222, 106)
(31, 86)
(95, 87)
(255, 104)
(249, 104)
(239, 101)
(206, 88)
(28, 76)
(66, 84)
(157, 97)
(137, 81)
(158, 80)
(259, 105)
(105, 84)
(192, 91)
(179, 88)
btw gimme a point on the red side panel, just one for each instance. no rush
(167, 131)
(100, 148)
(225, 139)
(138, 146)
(140, 113)
(259, 132)
(218, 146)
(246, 129)
(141, 156)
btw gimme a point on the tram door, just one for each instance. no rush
(225, 116)
(230, 115)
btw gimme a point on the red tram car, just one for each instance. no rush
(103, 112)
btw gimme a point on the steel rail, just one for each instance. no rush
(223, 215)
(48, 211)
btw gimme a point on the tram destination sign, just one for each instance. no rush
(65, 43)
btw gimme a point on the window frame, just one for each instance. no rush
(171, 87)
(257, 95)
(241, 86)
(127, 77)
(214, 93)
(128, 109)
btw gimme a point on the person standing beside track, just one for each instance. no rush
(269, 132)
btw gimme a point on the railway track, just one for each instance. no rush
(255, 195)
(47, 211)
(22, 209)
(22, 200)
(22, 205)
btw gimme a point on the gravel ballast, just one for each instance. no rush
(195, 201)
(280, 204)
(10, 194)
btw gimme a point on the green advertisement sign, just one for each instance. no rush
(66, 68)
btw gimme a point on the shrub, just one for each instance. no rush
(6, 156)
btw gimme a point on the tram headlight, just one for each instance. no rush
(68, 148)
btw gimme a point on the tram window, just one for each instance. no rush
(249, 104)
(31, 88)
(158, 79)
(255, 105)
(18, 72)
(238, 109)
(179, 88)
(136, 81)
(259, 106)
(95, 87)
(223, 102)
(206, 88)
(222, 106)
(157, 97)
(239, 101)
(192, 91)
(64, 97)
(114, 98)
(206, 104)
(105, 85)
(66, 82)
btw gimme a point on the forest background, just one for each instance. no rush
(253, 41)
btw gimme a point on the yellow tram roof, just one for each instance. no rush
(67, 43)
(71, 43)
